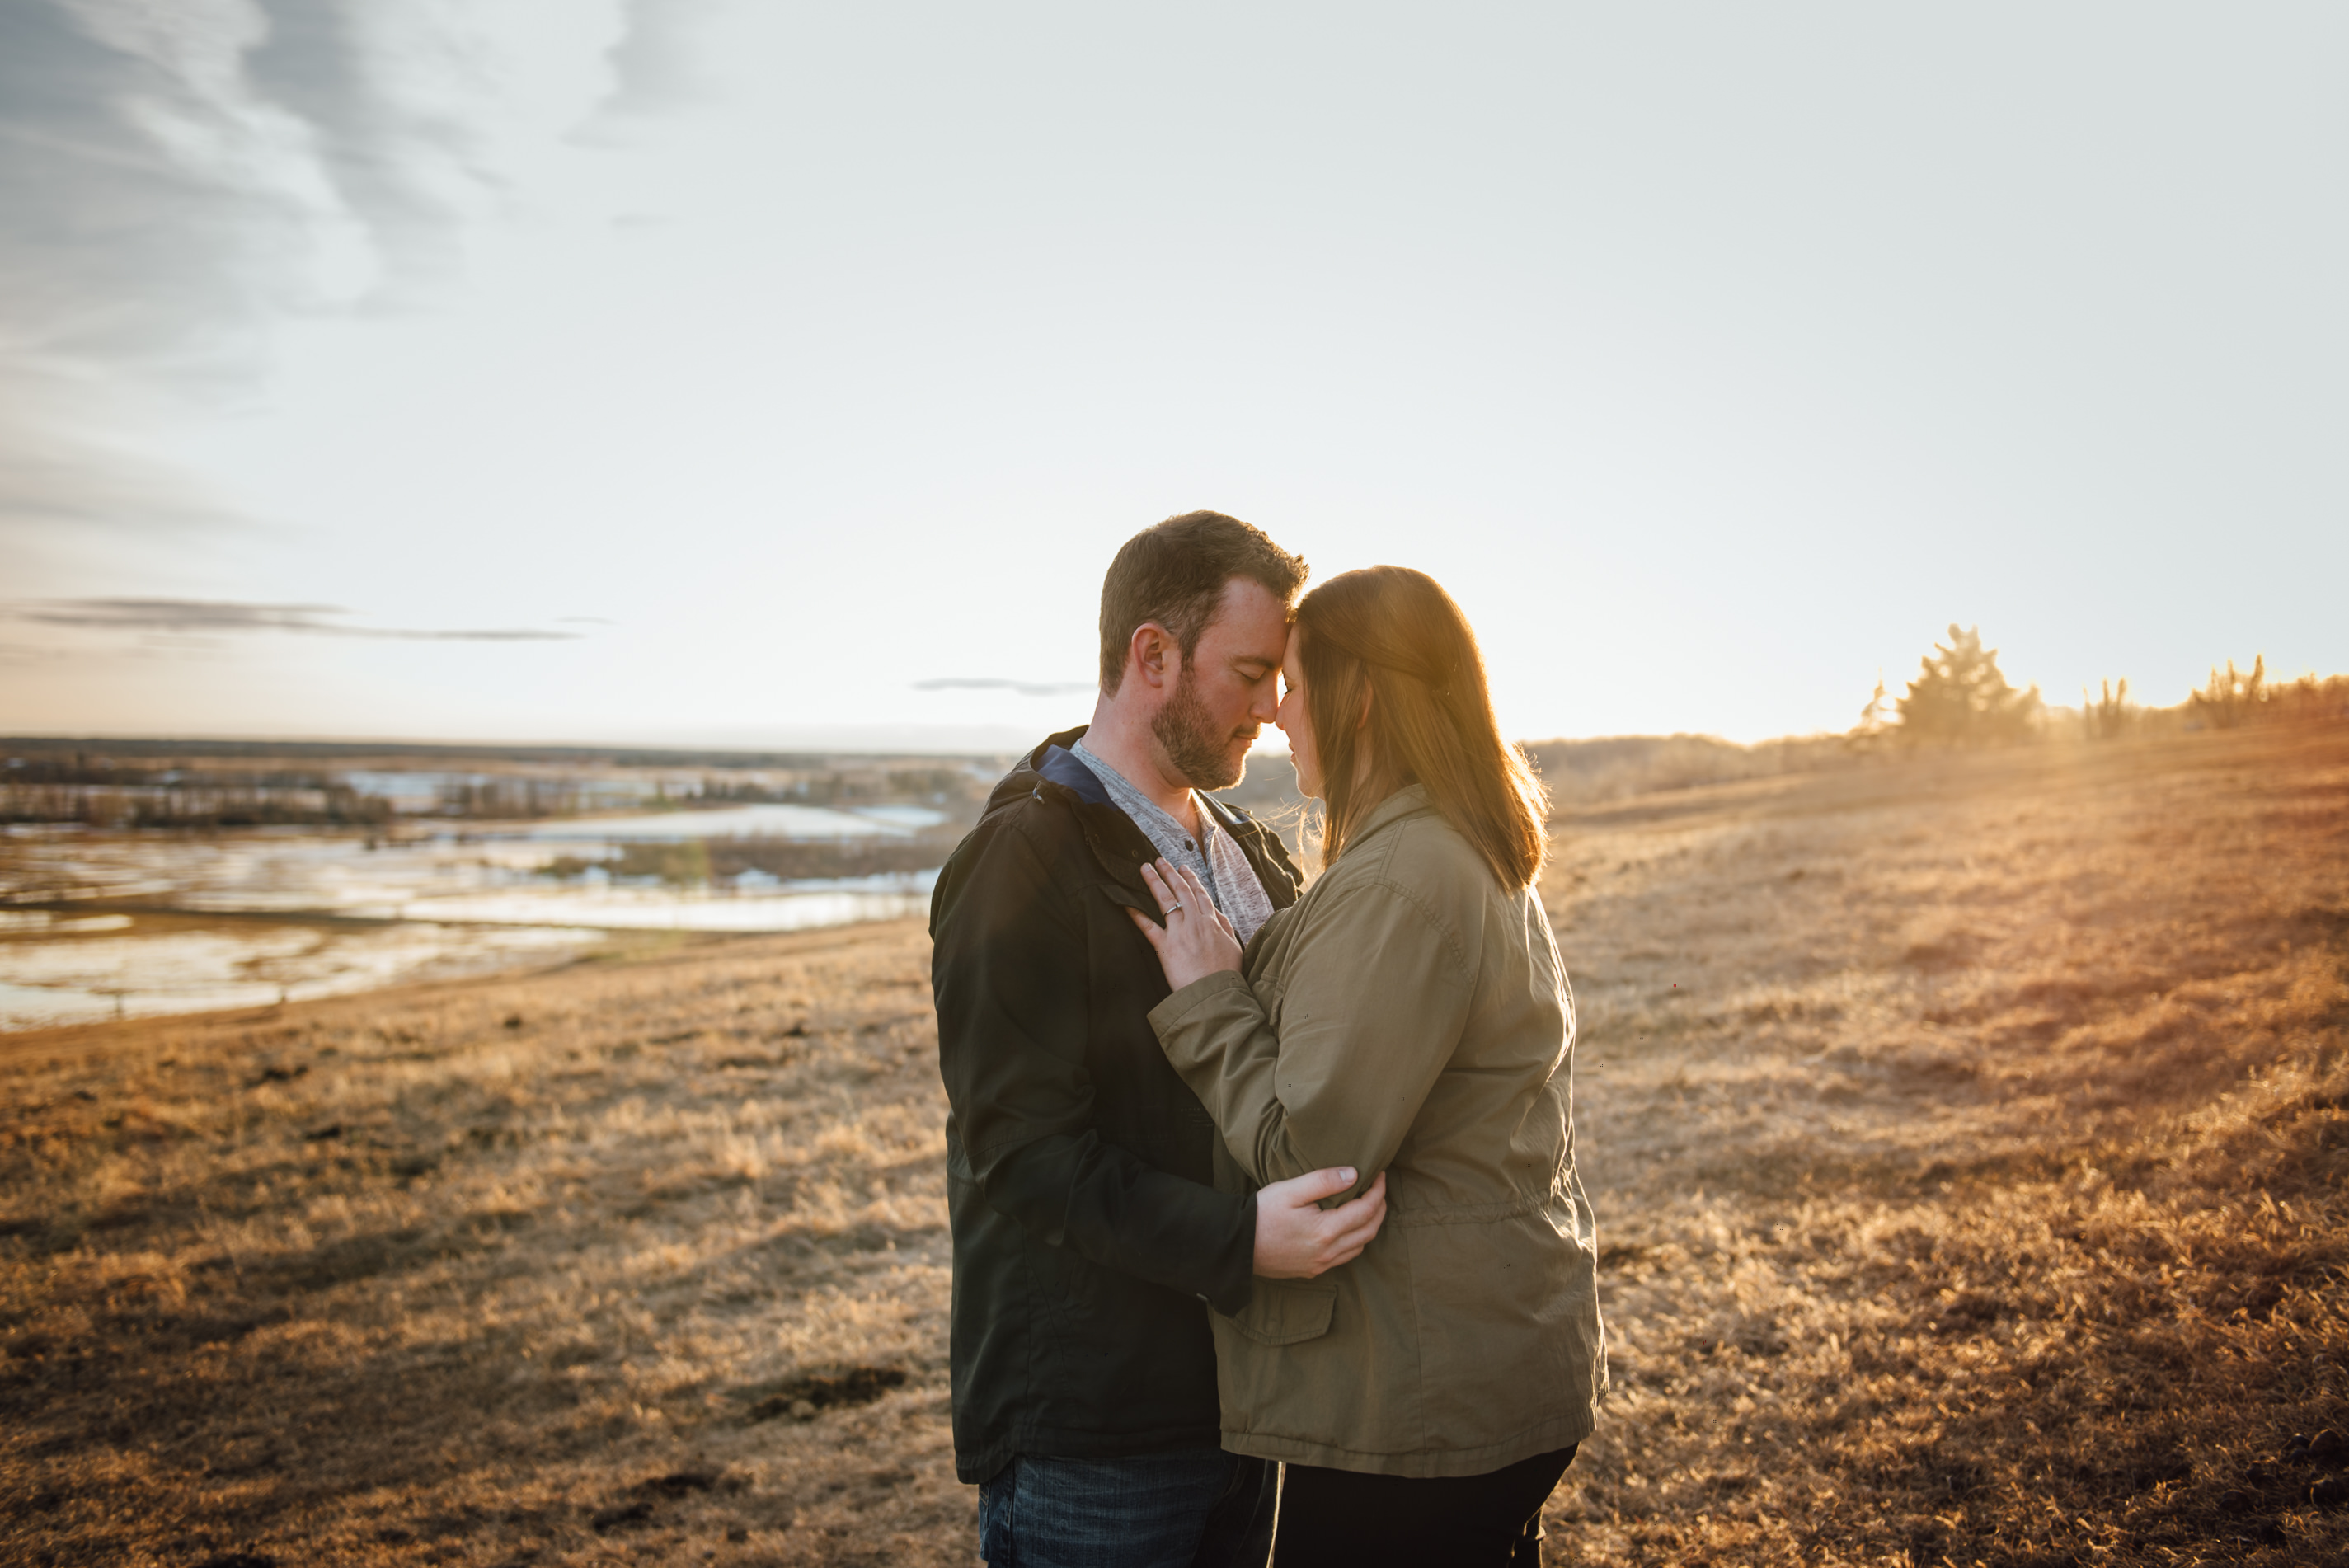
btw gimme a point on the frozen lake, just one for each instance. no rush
(435, 905)
(161, 966)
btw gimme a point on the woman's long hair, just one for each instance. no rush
(1395, 637)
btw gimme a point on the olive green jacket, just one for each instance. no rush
(1409, 1015)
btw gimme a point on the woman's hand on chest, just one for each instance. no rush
(1197, 940)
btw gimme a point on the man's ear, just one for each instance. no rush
(1154, 653)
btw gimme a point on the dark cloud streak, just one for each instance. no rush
(201, 615)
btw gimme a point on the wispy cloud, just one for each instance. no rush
(995, 683)
(61, 476)
(654, 64)
(229, 615)
(177, 180)
(175, 175)
(157, 202)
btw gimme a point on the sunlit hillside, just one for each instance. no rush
(1967, 1134)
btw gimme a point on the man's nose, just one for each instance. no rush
(1263, 707)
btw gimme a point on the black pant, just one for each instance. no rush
(1344, 1519)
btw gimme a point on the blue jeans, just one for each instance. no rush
(1199, 1509)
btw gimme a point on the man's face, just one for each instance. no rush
(1228, 691)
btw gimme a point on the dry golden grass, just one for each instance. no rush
(532, 1271)
(1967, 1138)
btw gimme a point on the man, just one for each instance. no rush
(1080, 1168)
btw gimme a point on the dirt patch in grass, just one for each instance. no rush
(1967, 1138)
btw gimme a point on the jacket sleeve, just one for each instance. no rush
(1372, 1006)
(1012, 974)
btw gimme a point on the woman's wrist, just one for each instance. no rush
(1181, 1003)
(1189, 977)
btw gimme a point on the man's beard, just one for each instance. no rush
(1198, 752)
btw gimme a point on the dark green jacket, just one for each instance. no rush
(1408, 1015)
(1080, 1170)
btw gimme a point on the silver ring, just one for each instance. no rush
(1173, 907)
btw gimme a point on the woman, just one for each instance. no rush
(1408, 1014)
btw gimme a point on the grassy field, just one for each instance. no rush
(1967, 1137)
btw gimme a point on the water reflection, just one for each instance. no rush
(124, 930)
(167, 968)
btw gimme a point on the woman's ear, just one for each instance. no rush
(1362, 720)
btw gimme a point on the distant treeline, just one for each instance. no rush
(153, 799)
(527, 797)
(181, 785)
(1960, 698)
(406, 754)
(2234, 699)
(83, 767)
(956, 790)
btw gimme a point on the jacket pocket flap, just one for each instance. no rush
(1287, 1312)
(1133, 900)
(1119, 895)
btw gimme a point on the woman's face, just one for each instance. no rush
(1294, 720)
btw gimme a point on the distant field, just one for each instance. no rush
(1967, 1137)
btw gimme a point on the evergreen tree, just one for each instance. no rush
(1961, 698)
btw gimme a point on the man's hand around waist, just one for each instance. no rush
(1296, 1238)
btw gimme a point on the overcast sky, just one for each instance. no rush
(718, 370)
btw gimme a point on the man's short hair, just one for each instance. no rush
(1174, 573)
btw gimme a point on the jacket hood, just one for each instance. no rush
(1031, 767)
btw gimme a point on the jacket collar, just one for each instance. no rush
(1064, 767)
(1060, 766)
(1026, 775)
(1052, 772)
